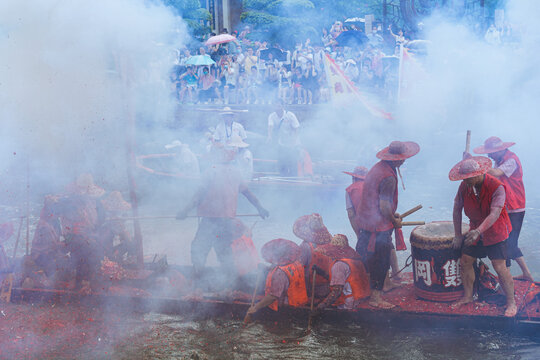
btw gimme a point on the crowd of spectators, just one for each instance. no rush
(257, 72)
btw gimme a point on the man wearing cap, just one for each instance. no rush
(509, 171)
(349, 281)
(311, 229)
(377, 217)
(483, 198)
(285, 283)
(216, 201)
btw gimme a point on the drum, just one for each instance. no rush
(436, 265)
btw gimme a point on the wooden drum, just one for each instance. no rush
(436, 265)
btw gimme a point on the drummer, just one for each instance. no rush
(349, 282)
(483, 199)
(285, 283)
(353, 195)
(509, 171)
(312, 230)
(377, 217)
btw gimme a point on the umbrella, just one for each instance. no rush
(220, 39)
(276, 54)
(352, 38)
(355, 20)
(200, 60)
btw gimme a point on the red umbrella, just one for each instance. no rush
(220, 39)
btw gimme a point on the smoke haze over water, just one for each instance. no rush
(63, 94)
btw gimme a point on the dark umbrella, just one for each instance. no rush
(276, 53)
(352, 38)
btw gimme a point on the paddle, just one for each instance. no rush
(312, 300)
(247, 318)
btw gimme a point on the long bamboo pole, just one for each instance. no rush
(131, 160)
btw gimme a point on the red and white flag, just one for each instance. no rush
(343, 90)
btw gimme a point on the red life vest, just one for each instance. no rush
(515, 190)
(369, 214)
(322, 261)
(358, 279)
(296, 293)
(477, 209)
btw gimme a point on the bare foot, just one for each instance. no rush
(396, 277)
(390, 285)
(524, 277)
(460, 303)
(511, 310)
(381, 304)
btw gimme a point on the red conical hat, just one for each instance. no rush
(399, 150)
(493, 144)
(280, 252)
(468, 168)
(311, 228)
(359, 172)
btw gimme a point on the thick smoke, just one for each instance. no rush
(72, 74)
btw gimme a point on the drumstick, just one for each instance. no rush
(409, 212)
(413, 223)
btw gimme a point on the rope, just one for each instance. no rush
(407, 264)
(401, 178)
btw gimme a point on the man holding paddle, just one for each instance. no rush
(377, 217)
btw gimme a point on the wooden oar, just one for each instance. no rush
(312, 300)
(409, 212)
(247, 318)
(412, 223)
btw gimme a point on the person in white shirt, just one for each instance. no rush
(227, 127)
(286, 125)
(185, 160)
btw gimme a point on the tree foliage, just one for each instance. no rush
(195, 16)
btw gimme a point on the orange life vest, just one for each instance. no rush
(296, 293)
(358, 279)
(322, 261)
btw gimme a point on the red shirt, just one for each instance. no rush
(515, 190)
(222, 184)
(369, 213)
